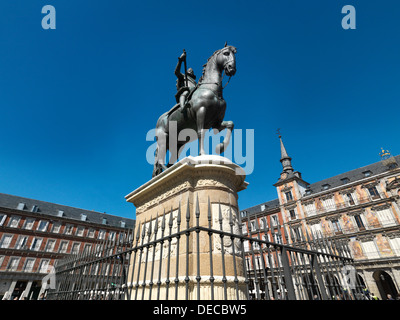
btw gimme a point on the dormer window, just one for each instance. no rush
(367, 173)
(345, 180)
(21, 206)
(325, 186)
(60, 213)
(104, 221)
(83, 217)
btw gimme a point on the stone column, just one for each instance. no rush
(203, 185)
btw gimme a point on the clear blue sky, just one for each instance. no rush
(76, 102)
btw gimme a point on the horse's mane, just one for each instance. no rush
(212, 57)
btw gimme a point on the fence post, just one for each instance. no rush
(315, 265)
(288, 276)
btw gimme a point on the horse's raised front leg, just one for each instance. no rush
(200, 116)
(224, 125)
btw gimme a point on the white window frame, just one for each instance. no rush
(56, 227)
(80, 231)
(13, 266)
(44, 266)
(34, 243)
(45, 226)
(73, 251)
(6, 244)
(69, 228)
(3, 218)
(25, 268)
(22, 242)
(49, 242)
(14, 221)
(60, 248)
(28, 224)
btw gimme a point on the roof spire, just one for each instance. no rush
(285, 159)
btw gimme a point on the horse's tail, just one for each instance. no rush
(155, 162)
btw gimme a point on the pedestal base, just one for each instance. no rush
(171, 248)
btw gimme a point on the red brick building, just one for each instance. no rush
(35, 234)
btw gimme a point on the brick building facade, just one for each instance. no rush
(35, 234)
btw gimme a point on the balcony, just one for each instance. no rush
(347, 204)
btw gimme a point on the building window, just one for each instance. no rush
(21, 206)
(373, 193)
(292, 213)
(87, 248)
(51, 243)
(336, 226)
(262, 224)
(36, 243)
(112, 235)
(91, 233)
(275, 221)
(22, 243)
(44, 266)
(42, 226)
(297, 233)
(359, 222)
(102, 234)
(13, 264)
(79, 231)
(289, 196)
(350, 199)
(14, 221)
(63, 247)
(253, 225)
(56, 227)
(325, 186)
(68, 229)
(28, 224)
(75, 248)
(278, 238)
(367, 173)
(29, 263)
(345, 180)
(2, 218)
(6, 241)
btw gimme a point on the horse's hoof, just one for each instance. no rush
(220, 148)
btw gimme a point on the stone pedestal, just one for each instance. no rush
(207, 185)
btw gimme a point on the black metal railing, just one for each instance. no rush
(202, 256)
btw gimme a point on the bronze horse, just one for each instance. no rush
(206, 110)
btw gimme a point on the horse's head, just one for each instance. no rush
(226, 59)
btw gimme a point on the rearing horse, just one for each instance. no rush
(206, 109)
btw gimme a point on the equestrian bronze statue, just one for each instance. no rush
(199, 107)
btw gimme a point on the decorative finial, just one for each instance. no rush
(384, 153)
(226, 44)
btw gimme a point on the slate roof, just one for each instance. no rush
(336, 181)
(52, 209)
(352, 176)
(269, 205)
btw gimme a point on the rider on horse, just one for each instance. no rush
(185, 83)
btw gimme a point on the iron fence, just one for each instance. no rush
(193, 256)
